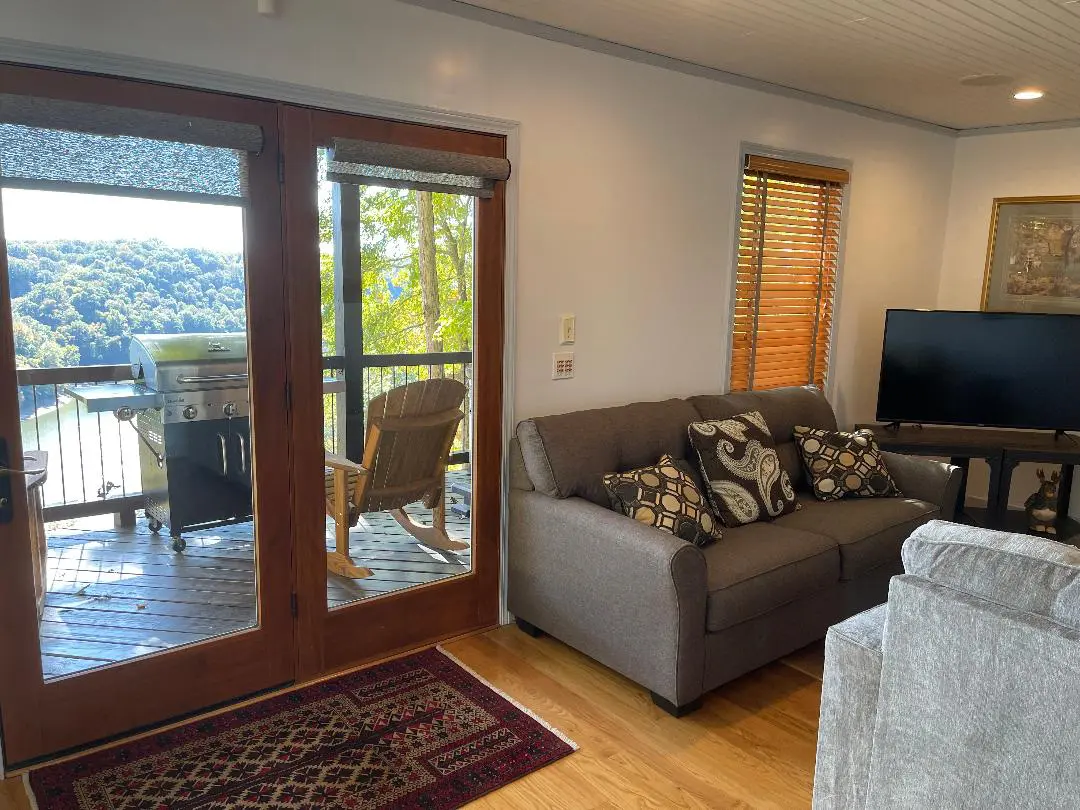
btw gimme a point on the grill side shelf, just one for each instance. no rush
(113, 396)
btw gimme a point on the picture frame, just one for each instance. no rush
(1033, 255)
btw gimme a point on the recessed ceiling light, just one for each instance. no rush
(1028, 95)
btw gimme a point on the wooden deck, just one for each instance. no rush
(116, 593)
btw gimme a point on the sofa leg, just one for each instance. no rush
(528, 629)
(672, 709)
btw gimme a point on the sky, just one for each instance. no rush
(45, 215)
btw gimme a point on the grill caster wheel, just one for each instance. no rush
(178, 544)
(154, 525)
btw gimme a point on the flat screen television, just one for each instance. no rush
(992, 369)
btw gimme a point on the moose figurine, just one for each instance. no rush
(1041, 506)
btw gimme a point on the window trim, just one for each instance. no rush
(750, 148)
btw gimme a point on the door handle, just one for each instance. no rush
(243, 453)
(224, 456)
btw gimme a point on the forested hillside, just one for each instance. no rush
(78, 303)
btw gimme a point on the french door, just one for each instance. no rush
(206, 303)
(390, 238)
(144, 530)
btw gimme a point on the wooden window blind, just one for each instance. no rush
(789, 237)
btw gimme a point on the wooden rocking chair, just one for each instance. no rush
(410, 430)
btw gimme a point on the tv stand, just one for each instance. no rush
(895, 427)
(1002, 450)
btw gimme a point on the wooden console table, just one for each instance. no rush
(1002, 450)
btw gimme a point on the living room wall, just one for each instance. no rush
(627, 176)
(1017, 164)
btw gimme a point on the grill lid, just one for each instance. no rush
(190, 362)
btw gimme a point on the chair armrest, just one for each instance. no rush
(927, 480)
(628, 595)
(849, 703)
(341, 463)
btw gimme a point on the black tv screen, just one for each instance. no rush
(994, 369)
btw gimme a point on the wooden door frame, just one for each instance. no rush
(41, 718)
(330, 640)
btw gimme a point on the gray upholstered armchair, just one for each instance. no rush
(962, 691)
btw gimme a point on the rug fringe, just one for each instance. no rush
(507, 697)
(29, 791)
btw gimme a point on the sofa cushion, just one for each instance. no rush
(743, 475)
(761, 566)
(665, 496)
(841, 464)
(1016, 571)
(869, 531)
(569, 454)
(783, 408)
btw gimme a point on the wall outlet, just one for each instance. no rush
(562, 365)
(567, 330)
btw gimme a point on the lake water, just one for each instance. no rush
(86, 452)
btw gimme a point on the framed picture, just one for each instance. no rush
(1033, 262)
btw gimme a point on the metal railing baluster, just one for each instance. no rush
(82, 464)
(60, 443)
(120, 445)
(101, 451)
(37, 419)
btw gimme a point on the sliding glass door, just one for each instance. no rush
(144, 525)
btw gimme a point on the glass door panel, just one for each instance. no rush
(145, 503)
(409, 256)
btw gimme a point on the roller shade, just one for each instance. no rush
(101, 119)
(789, 237)
(76, 146)
(367, 163)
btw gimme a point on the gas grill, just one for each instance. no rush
(189, 405)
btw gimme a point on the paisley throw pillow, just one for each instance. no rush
(742, 469)
(840, 464)
(664, 496)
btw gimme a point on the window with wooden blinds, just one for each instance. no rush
(789, 237)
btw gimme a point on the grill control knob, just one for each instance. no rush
(229, 409)
(190, 412)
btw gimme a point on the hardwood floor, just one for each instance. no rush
(118, 593)
(751, 745)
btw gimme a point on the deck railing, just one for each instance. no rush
(94, 458)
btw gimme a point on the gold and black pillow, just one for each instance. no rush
(742, 469)
(841, 464)
(664, 496)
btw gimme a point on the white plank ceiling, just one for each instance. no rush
(901, 56)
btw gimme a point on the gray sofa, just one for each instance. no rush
(677, 619)
(958, 693)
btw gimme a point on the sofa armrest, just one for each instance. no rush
(628, 595)
(927, 480)
(849, 696)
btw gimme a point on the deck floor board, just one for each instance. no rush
(118, 593)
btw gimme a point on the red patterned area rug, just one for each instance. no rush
(418, 732)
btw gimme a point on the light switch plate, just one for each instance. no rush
(567, 330)
(562, 365)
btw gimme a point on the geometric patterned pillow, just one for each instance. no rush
(841, 464)
(742, 469)
(666, 497)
